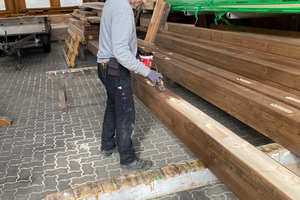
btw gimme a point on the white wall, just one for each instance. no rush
(37, 3)
(2, 5)
(70, 3)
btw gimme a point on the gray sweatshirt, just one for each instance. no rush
(118, 36)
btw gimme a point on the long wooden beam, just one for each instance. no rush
(276, 75)
(270, 117)
(282, 60)
(245, 170)
(271, 44)
(249, 29)
(274, 93)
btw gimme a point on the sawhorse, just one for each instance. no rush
(63, 79)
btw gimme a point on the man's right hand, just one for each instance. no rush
(154, 76)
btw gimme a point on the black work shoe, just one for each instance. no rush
(106, 153)
(138, 164)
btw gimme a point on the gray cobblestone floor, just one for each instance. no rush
(45, 151)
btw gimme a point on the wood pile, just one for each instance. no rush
(85, 23)
(252, 77)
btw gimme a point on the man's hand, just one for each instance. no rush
(139, 52)
(154, 76)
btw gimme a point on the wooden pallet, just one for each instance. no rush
(71, 49)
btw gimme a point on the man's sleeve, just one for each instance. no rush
(122, 30)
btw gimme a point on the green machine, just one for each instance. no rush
(220, 7)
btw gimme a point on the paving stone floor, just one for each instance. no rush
(45, 151)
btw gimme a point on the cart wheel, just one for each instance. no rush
(18, 66)
(47, 48)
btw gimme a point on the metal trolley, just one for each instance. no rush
(20, 32)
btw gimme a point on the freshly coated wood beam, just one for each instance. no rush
(271, 44)
(245, 170)
(282, 60)
(257, 30)
(274, 93)
(272, 74)
(270, 117)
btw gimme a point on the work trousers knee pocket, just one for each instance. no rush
(124, 90)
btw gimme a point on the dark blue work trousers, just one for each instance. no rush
(119, 115)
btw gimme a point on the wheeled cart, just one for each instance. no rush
(20, 32)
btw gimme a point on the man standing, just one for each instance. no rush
(116, 58)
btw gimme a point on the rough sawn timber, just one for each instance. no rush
(245, 170)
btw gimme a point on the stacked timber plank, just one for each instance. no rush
(252, 77)
(265, 31)
(85, 23)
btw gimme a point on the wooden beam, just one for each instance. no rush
(19, 5)
(10, 5)
(158, 19)
(61, 89)
(245, 170)
(279, 95)
(282, 60)
(272, 74)
(55, 3)
(285, 47)
(257, 30)
(270, 117)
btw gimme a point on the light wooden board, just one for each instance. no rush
(246, 171)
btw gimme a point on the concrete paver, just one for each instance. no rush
(45, 151)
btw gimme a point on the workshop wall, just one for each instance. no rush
(13, 7)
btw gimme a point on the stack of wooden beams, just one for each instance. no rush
(252, 77)
(85, 23)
